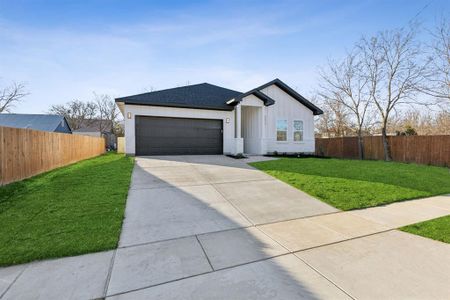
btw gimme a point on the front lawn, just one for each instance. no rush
(436, 229)
(68, 211)
(353, 184)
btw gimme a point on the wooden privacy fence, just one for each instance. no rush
(429, 150)
(26, 152)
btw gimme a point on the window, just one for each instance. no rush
(282, 130)
(298, 131)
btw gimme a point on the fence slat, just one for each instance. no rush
(429, 150)
(25, 152)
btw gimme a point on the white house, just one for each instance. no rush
(207, 119)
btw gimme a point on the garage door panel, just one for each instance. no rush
(180, 151)
(165, 136)
(184, 142)
(168, 134)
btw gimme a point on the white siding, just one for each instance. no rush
(252, 124)
(252, 100)
(142, 110)
(258, 123)
(251, 129)
(287, 108)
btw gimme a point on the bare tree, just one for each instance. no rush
(391, 63)
(438, 84)
(11, 95)
(335, 119)
(345, 83)
(324, 123)
(108, 112)
(424, 122)
(442, 123)
(77, 113)
(149, 89)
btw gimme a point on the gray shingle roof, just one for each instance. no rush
(208, 96)
(204, 95)
(31, 121)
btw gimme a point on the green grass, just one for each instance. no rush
(436, 229)
(353, 184)
(68, 211)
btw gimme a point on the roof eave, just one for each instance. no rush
(280, 84)
(266, 99)
(178, 106)
(318, 112)
(260, 95)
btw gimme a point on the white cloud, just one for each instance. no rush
(61, 64)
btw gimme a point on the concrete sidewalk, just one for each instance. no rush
(213, 227)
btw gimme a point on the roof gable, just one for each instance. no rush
(204, 95)
(284, 87)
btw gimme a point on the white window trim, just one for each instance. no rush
(287, 130)
(302, 131)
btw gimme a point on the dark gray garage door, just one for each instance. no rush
(175, 136)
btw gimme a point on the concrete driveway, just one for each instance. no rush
(173, 197)
(212, 227)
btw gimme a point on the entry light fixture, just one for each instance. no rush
(227, 120)
(129, 115)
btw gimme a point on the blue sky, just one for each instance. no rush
(65, 50)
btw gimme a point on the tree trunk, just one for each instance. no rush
(386, 146)
(360, 146)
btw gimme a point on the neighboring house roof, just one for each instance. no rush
(34, 121)
(208, 96)
(204, 95)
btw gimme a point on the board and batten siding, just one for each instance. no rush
(287, 108)
(251, 129)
